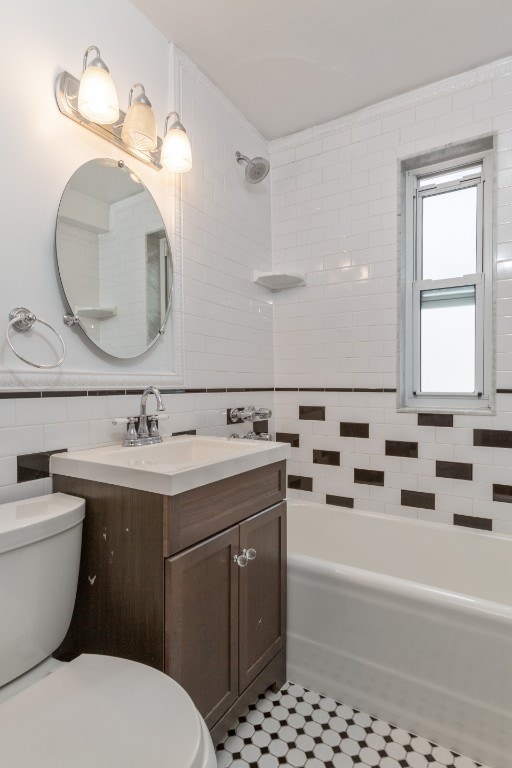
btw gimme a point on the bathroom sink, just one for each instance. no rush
(176, 465)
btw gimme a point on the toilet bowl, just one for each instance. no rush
(96, 710)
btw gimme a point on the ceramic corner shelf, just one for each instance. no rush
(278, 281)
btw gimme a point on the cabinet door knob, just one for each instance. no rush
(241, 560)
(251, 553)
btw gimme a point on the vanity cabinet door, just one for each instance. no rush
(201, 623)
(262, 612)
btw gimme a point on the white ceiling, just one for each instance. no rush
(291, 64)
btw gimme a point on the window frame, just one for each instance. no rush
(410, 396)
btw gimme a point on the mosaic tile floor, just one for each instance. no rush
(301, 729)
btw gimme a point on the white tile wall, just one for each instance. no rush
(227, 231)
(335, 219)
(123, 274)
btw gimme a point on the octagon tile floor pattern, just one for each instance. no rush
(301, 729)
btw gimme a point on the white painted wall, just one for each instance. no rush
(226, 229)
(335, 218)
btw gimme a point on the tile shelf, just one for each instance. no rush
(278, 281)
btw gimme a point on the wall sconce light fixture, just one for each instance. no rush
(176, 151)
(97, 97)
(139, 129)
(92, 102)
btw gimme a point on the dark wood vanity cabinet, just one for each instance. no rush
(159, 584)
(225, 623)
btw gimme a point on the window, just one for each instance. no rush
(447, 283)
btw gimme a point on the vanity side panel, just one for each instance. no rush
(202, 512)
(120, 595)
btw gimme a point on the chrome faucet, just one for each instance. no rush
(143, 431)
(143, 435)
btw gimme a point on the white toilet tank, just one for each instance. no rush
(40, 543)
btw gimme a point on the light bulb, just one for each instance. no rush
(176, 152)
(97, 97)
(139, 129)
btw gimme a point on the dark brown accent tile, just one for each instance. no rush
(312, 412)
(288, 437)
(299, 483)
(260, 426)
(402, 448)
(418, 499)
(454, 469)
(65, 393)
(369, 476)
(16, 395)
(35, 466)
(103, 392)
(185, 432)
(502, 493)
(354, 429)
(493, 438)
(435, 419)
(321, 456)
(339, 501)
(468, 521)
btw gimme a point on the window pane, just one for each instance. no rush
(449, 234)
(444, 178)
(448, 340)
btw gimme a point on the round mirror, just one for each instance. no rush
(114, 258)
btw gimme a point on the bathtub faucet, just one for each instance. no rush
(252, 436)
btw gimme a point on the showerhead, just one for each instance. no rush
(256, 169)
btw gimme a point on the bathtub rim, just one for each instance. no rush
(464, 604)
(451, 530)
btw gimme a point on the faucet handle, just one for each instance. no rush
(262, 414)
(153, 423)
(131, 430)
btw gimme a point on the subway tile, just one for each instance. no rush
(468, 521)
(402, 448)
(312, 412)
(454, 469)
(435, 420)
(502, 493)
(34, 466)
(300, 483)
(493, 438)
(418, 499)
(288, 437)
(354, 429)
(320, 456)
(368, 476)
(339, 501)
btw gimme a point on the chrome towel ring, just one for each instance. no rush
(22, 320)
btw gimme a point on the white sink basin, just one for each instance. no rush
(176, 465)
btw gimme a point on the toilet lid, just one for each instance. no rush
(104, 712)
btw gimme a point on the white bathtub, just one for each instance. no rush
(408, 621)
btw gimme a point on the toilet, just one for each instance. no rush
(96, 710)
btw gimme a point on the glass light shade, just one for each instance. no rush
(176, 151)
(139, 129)
(97, 97)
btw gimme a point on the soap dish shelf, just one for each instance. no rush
(278, 281)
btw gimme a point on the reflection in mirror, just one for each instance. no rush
(114, 258)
